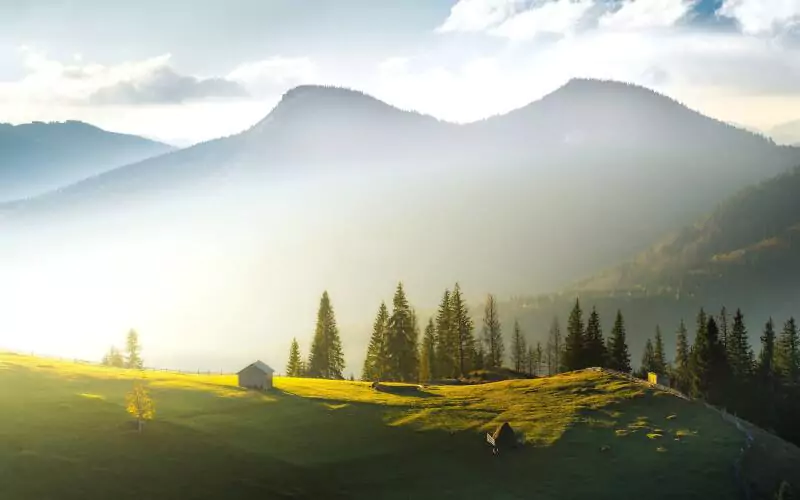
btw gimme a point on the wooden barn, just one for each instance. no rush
(256, 375)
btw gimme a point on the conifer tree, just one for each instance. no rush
(787, 353)
(415, 340)
(480, 357)
(427, 357)
(530, 361)
(114, 358)
(462, 330)
(293, 367)
(445, 344)
(738, 352)
(538, 355)
(574, 342)
(326, 359)
(401, 347)
(555, 348)
(519, 350)
(724, 330)
(766, 359)
(492, 334)
(133, 349)
(594, 349)
(375, 362)
(618, 357)
(707, 362)
(682, 359)
(648, 359)
(659, 356)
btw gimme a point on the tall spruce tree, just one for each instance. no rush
(401, 347)
(537, 361)
(446, 352)
(767, 379)
(738, 352)
(574, 343)
(618, 356)
(326, 359)
(415, 340)
(492, 334)
(766, 358)
(682, 351)
(462, 331)
(293, 367)
(479, 357)
(659, 356)
(707, 362)
(648, 359)
(724, 329)
(427, 356)
(519, 350)
(375, 362)
(133, 350)
(594, 349)
(555, 348)
(787, 353)
(530, 360)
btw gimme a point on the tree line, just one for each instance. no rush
(722, 368)
(130, 358)
(448, 348)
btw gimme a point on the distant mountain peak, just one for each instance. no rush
(314, 105)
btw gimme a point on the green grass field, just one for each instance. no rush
(64, 434)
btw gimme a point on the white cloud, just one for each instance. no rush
(149, 81)
(762, 16)
(275, 74)
(725, 74)
(524, 20)
(560, 16)
(638, 14)
(479, 15)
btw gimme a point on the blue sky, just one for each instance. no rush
(189, 70)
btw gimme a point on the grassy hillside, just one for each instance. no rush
(64, 434)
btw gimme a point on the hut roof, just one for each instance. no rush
(260, 365)
(505, 436)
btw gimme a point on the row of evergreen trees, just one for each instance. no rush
(326, 359)
(585, 347)
(722, 368)
(448, 348)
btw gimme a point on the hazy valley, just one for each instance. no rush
(336, 190)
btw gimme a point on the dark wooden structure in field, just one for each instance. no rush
(503, 438)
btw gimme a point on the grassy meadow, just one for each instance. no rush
(64, 434)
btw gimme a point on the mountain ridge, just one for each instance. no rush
(40, 157)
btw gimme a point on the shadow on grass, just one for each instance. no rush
(409, 391)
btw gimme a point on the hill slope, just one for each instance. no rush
(39, 157)
(745, 253)
(751, 241)
(65, 433)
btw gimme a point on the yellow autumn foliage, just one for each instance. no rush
(139, 404)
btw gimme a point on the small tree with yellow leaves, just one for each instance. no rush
(140, 405)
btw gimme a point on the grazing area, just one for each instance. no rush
(64, 433)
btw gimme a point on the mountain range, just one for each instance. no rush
(348, 193)
(40, 157)
(786, 133)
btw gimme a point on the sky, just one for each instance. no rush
(190, 70)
